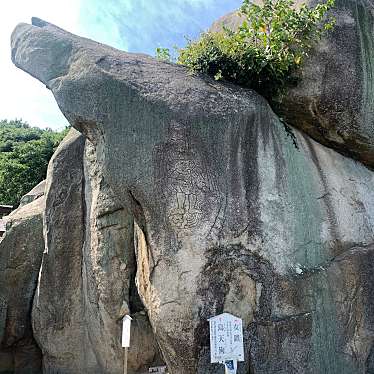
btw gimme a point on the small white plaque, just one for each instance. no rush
(226, 338)
(126, 326)
(157, 369)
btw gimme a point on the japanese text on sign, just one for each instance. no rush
(226, 338)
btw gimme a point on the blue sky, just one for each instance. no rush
(131, 25)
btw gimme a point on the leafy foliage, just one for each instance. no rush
(24, 155)
(266, 50)
(163, 54)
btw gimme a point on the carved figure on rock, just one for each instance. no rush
(188, 185)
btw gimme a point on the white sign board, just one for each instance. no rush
(157, 369)
(226, 338)
(126, 325)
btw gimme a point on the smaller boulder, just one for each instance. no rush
(21, 251)
(34, 194)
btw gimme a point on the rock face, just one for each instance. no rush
(21, 252)
(334, 101)
(231, 20)
(34, 194)
(87, 270)
(232, 213)
(58, 310)
(109, 277)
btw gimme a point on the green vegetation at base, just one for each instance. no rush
(265, 52)
(24, 155)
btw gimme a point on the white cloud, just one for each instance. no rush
(21, 95)
(143, 25)
(98, 21)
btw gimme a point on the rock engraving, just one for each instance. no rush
(185, 180)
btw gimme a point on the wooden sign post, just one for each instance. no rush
(226, 341)
(126, 328)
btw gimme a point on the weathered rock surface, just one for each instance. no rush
(233, 213)
(231, 21)
(58, 310)
(34, 194)
(334, 101)
(21, 251)
(87, 272)
(109, 272)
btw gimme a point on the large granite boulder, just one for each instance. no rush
(334, 100)
(21, 251)
(233, 213)
(88, 270)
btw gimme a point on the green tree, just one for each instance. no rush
(24, 155)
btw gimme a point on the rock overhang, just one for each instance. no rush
(56, 57)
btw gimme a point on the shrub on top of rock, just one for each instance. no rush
(265, 51)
